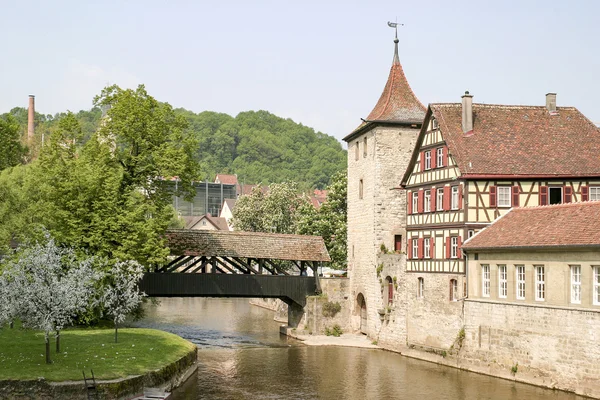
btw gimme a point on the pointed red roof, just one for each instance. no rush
(398, 103)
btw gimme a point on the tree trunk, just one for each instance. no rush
(58, 341)
(48, 360)
(116, 330)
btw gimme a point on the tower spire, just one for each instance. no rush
(395, 26)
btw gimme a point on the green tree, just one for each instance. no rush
(12, 152)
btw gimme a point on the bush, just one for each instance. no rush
(335, 331)
(330, 309)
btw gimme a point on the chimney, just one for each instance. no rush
(467, 112)
(31, 119)
(551, 102)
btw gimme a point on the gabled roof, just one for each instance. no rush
(397, 104)
(230, 204)
(517, 141)
(247, 244)
(226, 179)
(218, 222)
(563, 225)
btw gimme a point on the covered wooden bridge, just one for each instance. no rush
(238, 264)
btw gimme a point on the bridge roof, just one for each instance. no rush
(258, 245)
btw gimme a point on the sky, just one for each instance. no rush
(321, 63)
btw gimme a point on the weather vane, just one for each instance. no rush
(395, 26)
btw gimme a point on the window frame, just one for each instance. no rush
(427, 201)
(415, 248)
(427, 247)
(440, 157)
(500, 189)
(520, 282)
(596, 285)
(427, 160)
(540, 282)
(415, 202)
(485, 280)
(454, 200)
(596, 190)
(453, 290)
(454, 247)
(502, 281)
(575, 274)
(420, 288)
(365, 147)
(439, 201)
(357, 151)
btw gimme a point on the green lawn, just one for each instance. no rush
(22, 353)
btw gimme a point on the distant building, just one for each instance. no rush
(227, 211)
(208, 199)
(206, 222)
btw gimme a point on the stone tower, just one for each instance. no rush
(379, 151)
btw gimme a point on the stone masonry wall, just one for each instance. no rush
(335, 290)
(557, 346)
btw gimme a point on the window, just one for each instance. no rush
(420, 288)
(520, 270)
(427, 204)
(390, 290)
(427, 247)
(556, 196)
(540, 283)
(415, 202)
(356, 152)
(595, 193)
(576, 284)
(454, 247)
(365, 148)
(485, 280)
(398, 243)
(453, 290)
(502, 281)
(415, 248)
(434, 123)
(596, 300)
(440, 157)
(439, 203)
(455, 197)
(470, 233)
(360, 189)
(503, 196)
(428, 159)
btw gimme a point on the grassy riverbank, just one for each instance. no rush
(138, 351)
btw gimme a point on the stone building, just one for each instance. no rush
(378, 153)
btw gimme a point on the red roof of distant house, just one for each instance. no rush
(226, 179)
(571, 225)
(397, 103)
(521, 140)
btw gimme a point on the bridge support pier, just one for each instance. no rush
(295, 314)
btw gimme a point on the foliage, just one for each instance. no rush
(330, 309)
(121, 293)
(138, 351)
(514, 369)
(379, 269)
(12, 152)
(330, 221)
(47, 287)
(336, 331)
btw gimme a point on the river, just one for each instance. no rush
(243, 356)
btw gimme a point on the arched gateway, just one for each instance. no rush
(361, 304)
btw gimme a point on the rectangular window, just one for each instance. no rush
(455, 197)
(427, 247)
(454, 247)
(439, 203)
(595, 193)
(360, 189)
(440, 157)
(453, 290)
(398, 243)
(415, 248)
(415, 202)
(520, 270)
(356, 152)
(540, 283)
(427, 204)
(485, 280)
(596, 300)
(434, 124)
(576, 284)
(428, 159)
(502, 282)
(555, 195)
(503, 196)
(470, 233)
(365, 148)
(420, 288)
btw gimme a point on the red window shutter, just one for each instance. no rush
(420, 201)
(567, 194)
(515, 196)
(409, 201)
(422, 161)
(458, 251)
(585, 193)
(421, 247)
(446, 198)
(445, 156)
(409, 248)
(433, 199)
(448, 253)
(460, 196)
(543, 195)
(433, 158)
(492, 196)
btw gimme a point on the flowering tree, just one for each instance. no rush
(7, 308)
(47, 287)
(121, 293)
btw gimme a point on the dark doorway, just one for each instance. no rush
(362, 304)
(555, 195)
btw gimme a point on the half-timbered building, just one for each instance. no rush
(474, 162)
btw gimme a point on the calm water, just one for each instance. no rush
(242, 356)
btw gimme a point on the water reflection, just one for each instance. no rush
(242, 356)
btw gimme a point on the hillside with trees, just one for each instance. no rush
(256, 145)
